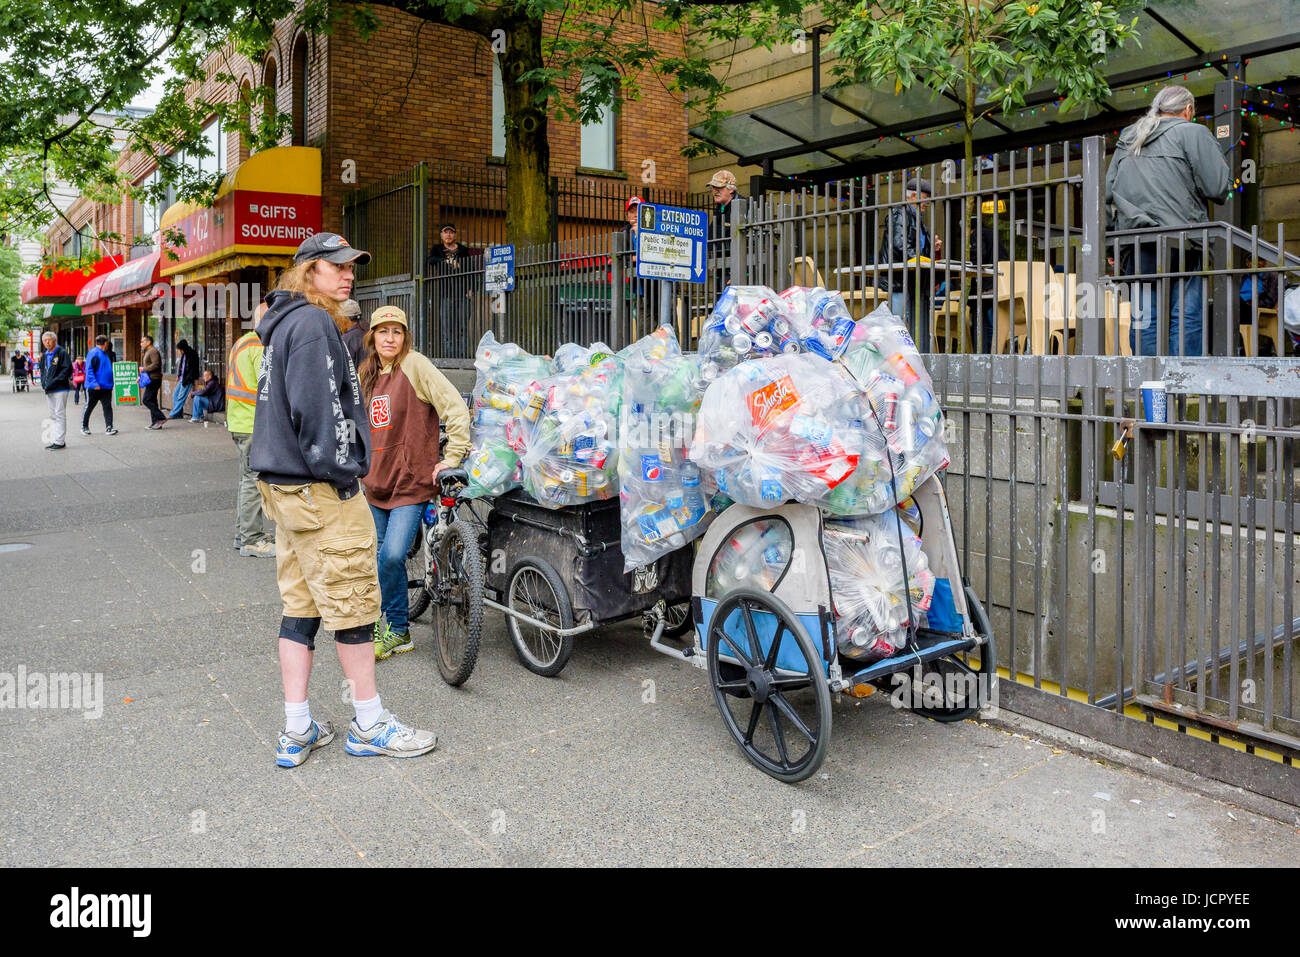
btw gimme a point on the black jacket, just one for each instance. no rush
(56, 370)
(190, 368)
(310, 423)
(904, 237)
(355, 341)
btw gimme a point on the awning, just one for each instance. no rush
(223, 266)
(267, 206)
(51, 285)
(89, 301)
(61, 310)
(133, 283)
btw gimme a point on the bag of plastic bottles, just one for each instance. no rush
(789, 427)
(907, 418)
(570, 455)
(664, 498)
(503, 405)
(820, 319)
(865, 558)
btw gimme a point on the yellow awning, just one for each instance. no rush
(230, 264)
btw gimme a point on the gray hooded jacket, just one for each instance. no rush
(1179, 169)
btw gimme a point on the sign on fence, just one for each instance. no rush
(670, 243)
(499, 269)
(126, 383)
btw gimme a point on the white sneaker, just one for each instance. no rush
(389, 737)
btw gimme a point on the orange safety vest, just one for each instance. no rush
(237, 390)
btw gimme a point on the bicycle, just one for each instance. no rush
(445, 572)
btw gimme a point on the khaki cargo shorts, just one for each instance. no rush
(324, 554)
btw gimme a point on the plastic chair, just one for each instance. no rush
(1267, 327)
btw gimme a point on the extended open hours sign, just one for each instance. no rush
(670, 243)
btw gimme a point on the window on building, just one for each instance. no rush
(215, 142)
(498, 110)
(597, 145)
(300, 110)
(85, 239)
(269, 81)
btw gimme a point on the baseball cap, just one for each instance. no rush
(451, 226)
(634, 201)
(918, 185)
(330, 246)
(352, 308)
(388, 314)
(723, 177)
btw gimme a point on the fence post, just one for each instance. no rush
(420, 191)
(553, 197)
(737, 257)
(1092, 250)
(616, 288)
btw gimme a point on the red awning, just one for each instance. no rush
(49, 286)
(133, 282)
(89, 298)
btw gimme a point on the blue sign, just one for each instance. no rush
(499, 268)
(670, 242)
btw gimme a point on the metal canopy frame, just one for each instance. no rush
(1281, 104)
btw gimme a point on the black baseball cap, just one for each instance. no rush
(330, 246)
(451, 226)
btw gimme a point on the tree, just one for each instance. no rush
(13, 314)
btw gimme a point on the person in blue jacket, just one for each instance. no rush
(99, 386)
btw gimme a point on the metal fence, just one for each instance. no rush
(1133, 597)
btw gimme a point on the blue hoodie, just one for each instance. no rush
(310, 423)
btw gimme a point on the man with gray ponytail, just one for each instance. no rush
(1166, 168)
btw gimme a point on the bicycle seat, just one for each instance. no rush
(449, 478)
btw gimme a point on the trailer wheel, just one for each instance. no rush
(535, 589)
(962, 687)
(780, 717)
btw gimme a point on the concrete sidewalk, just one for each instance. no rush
(131, 575)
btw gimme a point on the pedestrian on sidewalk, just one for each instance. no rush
(56, 380)
(354, 337)
(78, 379)
(187, 373)
(151, 372)
(209, 396)
(99, 386)
(310, 448)
(245, 359)
(407, 397)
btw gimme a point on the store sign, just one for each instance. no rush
(247, 221)
(126, 383)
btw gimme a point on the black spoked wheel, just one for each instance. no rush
(536, 590)
(780, 716)
(677, 621)
(420, 574)
(955, 687)
(458, 604)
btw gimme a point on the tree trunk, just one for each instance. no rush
(528, 150)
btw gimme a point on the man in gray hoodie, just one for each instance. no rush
(1165, 169)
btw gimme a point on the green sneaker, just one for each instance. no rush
(389, 642)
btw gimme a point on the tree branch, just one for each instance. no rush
(481, 22)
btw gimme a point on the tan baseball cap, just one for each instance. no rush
(388, 314)
(723, 177)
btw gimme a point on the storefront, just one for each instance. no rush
(130, 292)
(234, 252)
(64, 288)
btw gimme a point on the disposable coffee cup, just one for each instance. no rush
(1155, 407)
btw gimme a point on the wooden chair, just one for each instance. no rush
(1022, 291)
(1268, 326)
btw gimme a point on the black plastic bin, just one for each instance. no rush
(583, 544)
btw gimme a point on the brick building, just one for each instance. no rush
(412, 93)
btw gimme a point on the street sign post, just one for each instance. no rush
(499, 269)
(126, 383)
(670, 243)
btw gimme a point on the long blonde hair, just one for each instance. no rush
(370, 365)
(298, 279)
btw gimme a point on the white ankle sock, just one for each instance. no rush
(368, 712)
(297, 717)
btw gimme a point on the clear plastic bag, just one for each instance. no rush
(504, 401)
(821, 320)
(664, 498)
(865, 558)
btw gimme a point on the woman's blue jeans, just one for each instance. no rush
(396, 528)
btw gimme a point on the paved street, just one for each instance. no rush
(131, 574)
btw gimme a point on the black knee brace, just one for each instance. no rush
(355, 636)
(301, 630)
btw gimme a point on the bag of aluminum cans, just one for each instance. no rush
(748, 322)
(820, 320)
(664, 498)
(885, 364)
(865, 558)
(789, 427)
(507, 382)
(570, 453)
